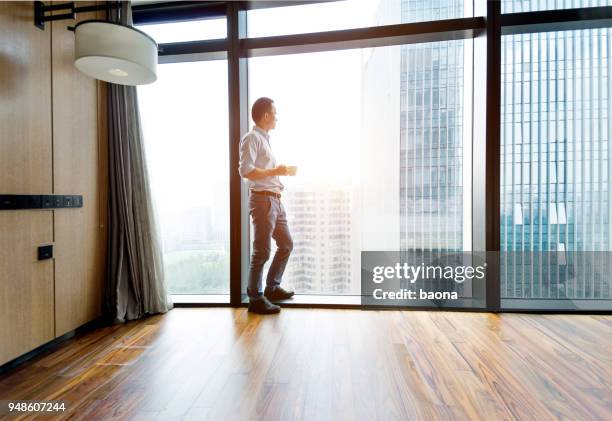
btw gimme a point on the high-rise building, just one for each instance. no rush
(413, 122)
(555, 157)
(320, 222)
(414, 182)
(431, 140)
(412, 174)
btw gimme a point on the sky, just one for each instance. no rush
(317, 96)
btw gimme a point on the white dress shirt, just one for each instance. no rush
(255, 152)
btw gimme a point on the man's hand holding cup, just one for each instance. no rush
(285, 170)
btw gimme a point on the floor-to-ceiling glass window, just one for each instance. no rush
(318, 97)
(185, 121)
(382, 139)
(555, 155)
(379, 137)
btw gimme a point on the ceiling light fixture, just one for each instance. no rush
(104, 50)
(115, 53)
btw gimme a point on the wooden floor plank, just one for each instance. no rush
(322, 364)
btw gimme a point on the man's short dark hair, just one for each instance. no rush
(260, 107)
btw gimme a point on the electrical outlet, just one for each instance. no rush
(45, 252)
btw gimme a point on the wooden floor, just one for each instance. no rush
(307, 364)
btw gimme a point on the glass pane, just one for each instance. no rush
(349, 14)
(185, 122)
(555, 205)
(516, 6)
(192, 30)
(377, 135)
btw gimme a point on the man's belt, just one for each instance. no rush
(267, 193)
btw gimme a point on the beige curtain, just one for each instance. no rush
(135, 285)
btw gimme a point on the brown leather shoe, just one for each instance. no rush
(278, 294)
(263, 306)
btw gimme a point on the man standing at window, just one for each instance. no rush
(258, 166)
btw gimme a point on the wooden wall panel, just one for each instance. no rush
(26, 285)
(25, 102)
(52, 140)
(79, 239)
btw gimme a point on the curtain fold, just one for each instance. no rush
(135, 274)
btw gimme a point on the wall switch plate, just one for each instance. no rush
(45, 252)
(40, 201)
(47, 201)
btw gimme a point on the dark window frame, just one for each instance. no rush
(485, 28)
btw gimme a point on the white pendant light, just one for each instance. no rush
(115, 53)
